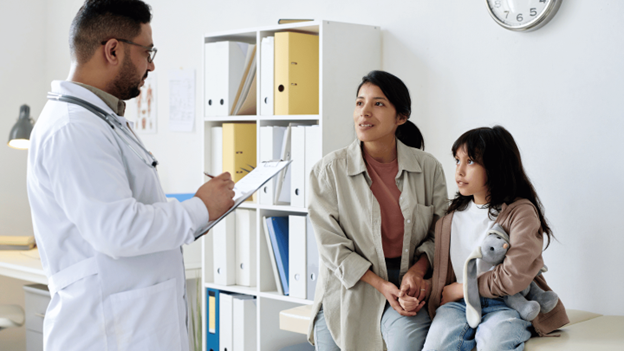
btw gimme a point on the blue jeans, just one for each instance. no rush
(399, 332)
(501, 328)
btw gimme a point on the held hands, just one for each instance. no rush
(452, 292)
(217, 194)
(391, 293)
(414, 291)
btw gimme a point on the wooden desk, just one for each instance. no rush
(26, 265)
(23, 265)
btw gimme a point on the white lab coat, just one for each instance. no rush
(109, 241)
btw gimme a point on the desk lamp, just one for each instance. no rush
(19, 138)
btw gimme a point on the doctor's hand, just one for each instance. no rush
(217, 194)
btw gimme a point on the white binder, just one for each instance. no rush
(245, 247)
(313, 259)
(313, 154)
(224, 251)
(282, 185)
(226, 321)
(244, 318)
(297, 252)
(216, 148)
(224, 68)
(297, 167)
(271, 138)
(267, 74)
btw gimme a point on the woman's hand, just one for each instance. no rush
(414, 285)
(414, 293)
(409, 303)
(414, 289)
(391, 293)
(452, 292)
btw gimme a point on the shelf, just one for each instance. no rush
(251, 290)
(255, 118)
(283, 208)
(339, 76)
(279, 208)
(229, 119)
(274, 295)
(289, 118)
(311, 26)
(247, 290)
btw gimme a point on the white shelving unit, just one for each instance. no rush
(347, 53)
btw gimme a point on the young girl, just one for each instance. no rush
(373, 207)
(493, 188)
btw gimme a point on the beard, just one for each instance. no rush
(125, 86)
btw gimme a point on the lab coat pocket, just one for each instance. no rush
(147, 318)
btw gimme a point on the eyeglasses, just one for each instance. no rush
(152, 51)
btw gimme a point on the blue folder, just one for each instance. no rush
(180, 197)
(278, 231)
(212, 320)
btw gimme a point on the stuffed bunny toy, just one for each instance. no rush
(529, 302)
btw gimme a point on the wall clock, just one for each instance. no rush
(522, 15)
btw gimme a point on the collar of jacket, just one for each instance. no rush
(117, 105)
(502, 214)
(405, 157)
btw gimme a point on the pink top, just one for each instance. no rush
(387, 194)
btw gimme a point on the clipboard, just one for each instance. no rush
(248, 185)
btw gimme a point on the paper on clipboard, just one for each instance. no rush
(248, 185)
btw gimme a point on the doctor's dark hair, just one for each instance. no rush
(101, 20)
(397, 93)
(495, 149)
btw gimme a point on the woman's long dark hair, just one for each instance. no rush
(495, 149)
(397, 93)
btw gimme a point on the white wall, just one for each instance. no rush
(21, 71)
(21, 82)
(558, 90)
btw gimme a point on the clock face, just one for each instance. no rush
(522, 15)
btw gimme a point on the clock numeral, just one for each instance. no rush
(497, 3)
(544, 1)
(533, 11)
(506, 14)
(519, 17)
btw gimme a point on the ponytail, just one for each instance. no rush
(409, 134)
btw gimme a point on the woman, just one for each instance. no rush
(373, 207)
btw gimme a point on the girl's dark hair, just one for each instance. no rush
(397, 93)
(495, 149)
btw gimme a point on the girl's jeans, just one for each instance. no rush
(501, 328)
(399, 332)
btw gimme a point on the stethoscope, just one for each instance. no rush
(112, 121)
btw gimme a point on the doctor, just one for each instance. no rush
(110, 243)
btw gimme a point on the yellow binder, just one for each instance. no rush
(296, 74)
(239, 149)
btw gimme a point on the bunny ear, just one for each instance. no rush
(471, 289)
(498, 230)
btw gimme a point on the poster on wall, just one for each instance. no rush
(182, 100)
(142, 109)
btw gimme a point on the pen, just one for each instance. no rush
(211, 176)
